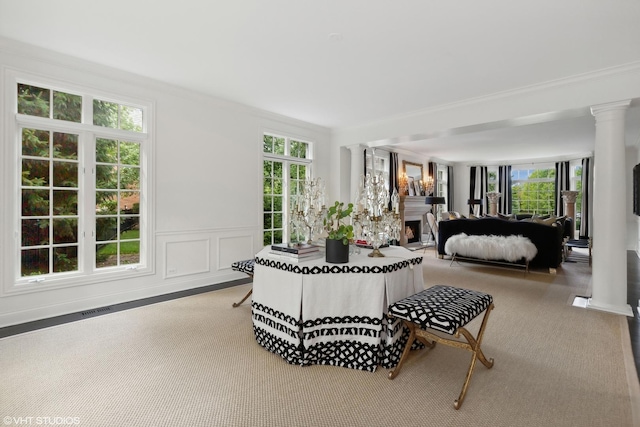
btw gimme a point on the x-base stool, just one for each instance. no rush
(446, 309)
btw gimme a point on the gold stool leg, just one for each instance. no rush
(407, 348)
(474, 344)
(236, 304)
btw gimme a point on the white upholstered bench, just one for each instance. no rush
(499, 249)
(446, 309)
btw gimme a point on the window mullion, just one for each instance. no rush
(88, 194)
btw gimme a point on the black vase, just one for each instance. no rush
(336, 252)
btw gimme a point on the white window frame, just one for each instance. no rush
(87, 132)
(287, 160)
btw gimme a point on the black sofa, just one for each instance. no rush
(547, 239)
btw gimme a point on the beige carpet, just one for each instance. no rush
(194, 362)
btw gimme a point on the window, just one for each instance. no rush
(381, 162)
(117, 183)
(492, 178)
(533, 190)
(442, 182)
(80, 185)
(286, 165)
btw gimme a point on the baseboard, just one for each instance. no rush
(86, 314)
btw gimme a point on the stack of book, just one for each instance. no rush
(296, 252)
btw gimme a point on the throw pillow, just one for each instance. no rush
(547, 221)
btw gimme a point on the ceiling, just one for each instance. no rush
(343, 63)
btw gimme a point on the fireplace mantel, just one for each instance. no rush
(412, 208)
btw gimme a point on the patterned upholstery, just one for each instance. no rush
(245, 266)
(443, 308)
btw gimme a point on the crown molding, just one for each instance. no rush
(628, 68)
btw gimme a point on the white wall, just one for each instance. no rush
(207, 186)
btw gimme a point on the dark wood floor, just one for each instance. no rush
(633, 295)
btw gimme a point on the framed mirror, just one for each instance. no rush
(413, 173)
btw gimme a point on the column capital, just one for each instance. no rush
(611, 106)
(569, 196)
(354, 147)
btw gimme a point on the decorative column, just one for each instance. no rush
(493, 197)
(569, 197)
(609, 216)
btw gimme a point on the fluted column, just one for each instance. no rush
(609, 228)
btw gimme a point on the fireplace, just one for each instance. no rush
(413, 214)
(412, 230)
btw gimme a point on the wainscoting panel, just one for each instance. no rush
(234, 248)
(187, 257)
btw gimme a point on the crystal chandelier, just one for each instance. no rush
(372, 220)
(309, 209)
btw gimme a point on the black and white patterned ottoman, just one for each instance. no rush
(246, 267)
(446, 309)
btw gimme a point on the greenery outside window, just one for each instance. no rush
(533, 190)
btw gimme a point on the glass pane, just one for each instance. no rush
(130, 252)
(33, 100)
(65, 146)
(277, 204)
(67, 107)
(277, 236)
(65, 202)
(268, 186)
(267, 144)
(277, 220)
(65, 174)
(277, 170)
(106, 177)
(130, 227)
(299, 149)
(268, 203)
(35, 202)
(35, 173)
(106, 151)
(302, 169)
(277, 186)
(34, 262)
(267, 238)
(130, 153)
(130, 118)
(130, 178)
(35, 232)
(106, 229)
(293, 171)
(65, 230)
(278, 145)
(65, 259)
(35, 142)
(130, 202)
(267, 168)
(267, 223)
(106, 202)
(105, 114)
(106, 255)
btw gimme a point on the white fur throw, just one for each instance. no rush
(508, 248)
